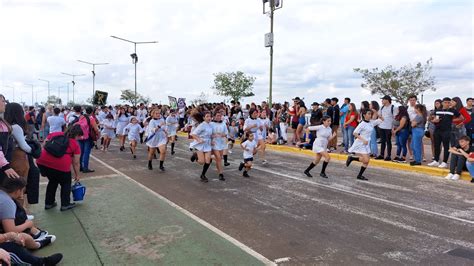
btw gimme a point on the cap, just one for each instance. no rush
(315, 103)
(386, 97)
(297, 99)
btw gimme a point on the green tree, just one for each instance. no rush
(129, 96)
(235, 85)
(399, 83)
(201, 99)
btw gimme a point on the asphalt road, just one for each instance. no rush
(394, 218)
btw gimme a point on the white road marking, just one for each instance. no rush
(280, 260)
(87, 178)
(227, 237)
(366, 196)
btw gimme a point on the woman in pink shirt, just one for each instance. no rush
(58, 169)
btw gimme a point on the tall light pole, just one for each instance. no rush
(32, 96)
(48, 86)
(134, 58)
(273, 5)
(13, 89)
(67, 93)
(93, 73)
(73, 82)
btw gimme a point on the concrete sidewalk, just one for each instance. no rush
(120, 223)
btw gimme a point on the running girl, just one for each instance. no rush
(157, 138)
(233, 134)
(219, 136)
(122, 121)
(363, 133)
(172, 123)
(263, 125)
(250, 149)
(134, 130)
(202, 135)
(324, 134)
(108, 128)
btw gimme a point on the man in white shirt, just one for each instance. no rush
(56, 122)
(388, 113)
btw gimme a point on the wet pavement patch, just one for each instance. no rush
(462, 253)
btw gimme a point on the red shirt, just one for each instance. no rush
(62, 164)
(354, 122)
(465, 114)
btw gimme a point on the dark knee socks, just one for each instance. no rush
(311, 166)
(172, 146)
(225, 158)
(361, 172)
(325, 164)
(161, 164)
(205, 167)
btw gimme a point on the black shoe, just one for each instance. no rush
(349, 160)
(122, 148)
(50, 206)
(380, 157)
(323, 175)
(221, 177)
(388, 158)
(172, 152)
(397, 159)
(414, 163)
(307, 174)
(150, 166)
(68, 207)
(162, 168)
(204, 179)
(46, 241)
(193, 157)
(226, 164)
(134, 157)
(245, 174)
(81, 169)
(241, 166)
(53, 259)
(363, 178)
(85, 171)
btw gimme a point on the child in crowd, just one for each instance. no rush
(250, 149)
(133, 129)
(108, 133)
(458, 157)
(233, 134)
(271, 137)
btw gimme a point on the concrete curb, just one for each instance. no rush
(434, 171)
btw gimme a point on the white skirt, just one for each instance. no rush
(359, 147)
(121, 128)
(159, 139)
(220, 144)
(320, 145)
(204, 147)
(108, 133)
(172, 131)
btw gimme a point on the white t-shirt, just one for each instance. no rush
(411, 113)
(56, 123)
(388, 116)
(250, 145)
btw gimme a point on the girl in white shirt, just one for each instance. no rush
(250, 148)
(56, 122)
(219, 136)
(108, 130)
(324, 135)
(134, 130)
(263, 125)
(172, 124)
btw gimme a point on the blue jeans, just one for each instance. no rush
(374, 149)
(348, 137)
(470, 168)
(402, 138)
(86, 147)
(417, 143)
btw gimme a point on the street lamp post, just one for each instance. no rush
(93, 73)
(13, 89)
(73, 82)
(273, 5)
(134, 58)
(32, 96)
(48, 86)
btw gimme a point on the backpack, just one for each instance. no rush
(384, 106)
(75, 120)
(39, 119)
(92, 134)
(57, 146)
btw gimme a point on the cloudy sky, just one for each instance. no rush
(317, 44)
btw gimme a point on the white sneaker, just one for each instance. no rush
(30, 217)
(434, 164)
(449, 176)
(455, 177)
(443, 165)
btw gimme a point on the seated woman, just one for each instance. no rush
(272, 137)
(33, 237)
(469, 161)
(458, 157)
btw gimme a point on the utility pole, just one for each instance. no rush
(134, 58)
(48, 86)
(273, 5)
(93, 73)
(73, 82)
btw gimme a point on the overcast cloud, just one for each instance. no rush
(317, 44)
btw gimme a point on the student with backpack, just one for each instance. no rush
(61, 150)
(86, 141)
(387, 112)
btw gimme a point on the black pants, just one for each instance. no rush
(57, 178)
(444, 138)
(457, 164)
(386, 138)
(20, 255)
(32, 185)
